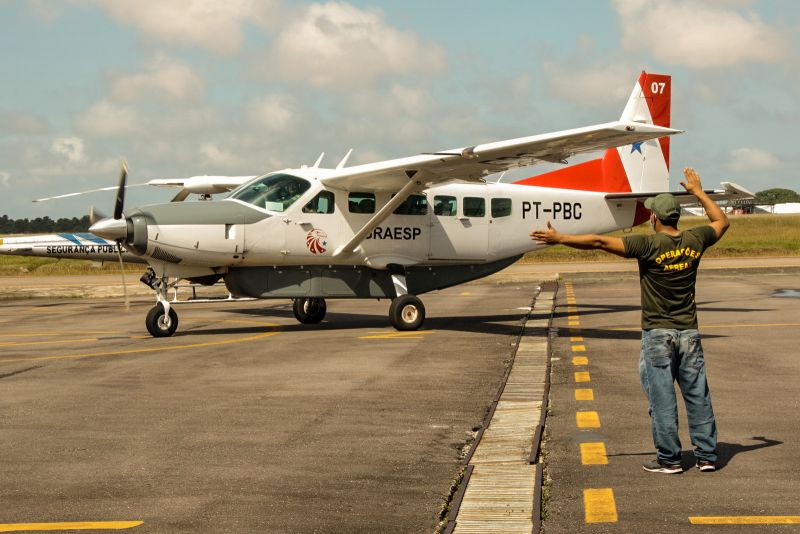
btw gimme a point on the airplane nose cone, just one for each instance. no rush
(112, 229)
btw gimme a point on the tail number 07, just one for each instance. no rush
(657, 88)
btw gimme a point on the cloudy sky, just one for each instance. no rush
(188, 87)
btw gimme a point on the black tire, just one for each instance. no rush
(309, 311)
(158, 324)
(406, 313)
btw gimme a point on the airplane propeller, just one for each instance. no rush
(115, 228)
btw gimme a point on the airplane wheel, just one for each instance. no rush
(309, 311)
(159, 324)
(406, 313)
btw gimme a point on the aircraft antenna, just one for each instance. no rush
(344, 160)
(319, 160)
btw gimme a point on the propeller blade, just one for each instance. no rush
(120, 203)
(96, 215)
(122, 272)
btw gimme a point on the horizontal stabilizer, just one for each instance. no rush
(729, 191)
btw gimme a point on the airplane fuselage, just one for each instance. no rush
(453, 224)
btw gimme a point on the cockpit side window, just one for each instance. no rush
(275, 192)
(324, 202)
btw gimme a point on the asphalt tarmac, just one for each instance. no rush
(245, 420)
(751, 329)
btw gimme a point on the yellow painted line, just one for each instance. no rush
(79, 525)
(145, 350)
(570, 309)
(578, 348)
(51, 333)
(573, 323)
(576, 339)
(398, 335)
(587, 419)
(584, 394)
(58, 342)
(573, 317)
(594, 454)
(582, 376)
(599, 506)
(465, 293)
(746, 520)
(580, 360)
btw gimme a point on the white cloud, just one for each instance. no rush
(697, 35)
(209, 24)
(5, 178)
(218, 157)
(752, 159)
(596, 86)
(161, 76)
(274, 112)
(339, 46)
(108, 120)
(22, 124)
(70, 147)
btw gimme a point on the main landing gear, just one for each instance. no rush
(309, 310)
(406, 313)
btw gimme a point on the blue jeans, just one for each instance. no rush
(669, 355)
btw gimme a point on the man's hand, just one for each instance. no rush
(692, 183)
(548, 237)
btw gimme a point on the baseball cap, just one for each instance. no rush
(665, 206)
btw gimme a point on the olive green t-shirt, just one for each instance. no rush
(667, 274)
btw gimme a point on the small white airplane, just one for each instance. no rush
(400, 228)
(76, 246)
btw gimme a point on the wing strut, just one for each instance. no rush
(379, 217)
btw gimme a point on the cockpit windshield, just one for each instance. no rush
(275, 192)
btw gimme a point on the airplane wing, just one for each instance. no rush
(472, 163)
(201, 185)
(729, 191)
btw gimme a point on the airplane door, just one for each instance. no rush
(311, 231)
(501, 226)
(459, 229)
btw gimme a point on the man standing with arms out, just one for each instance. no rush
(671, 348)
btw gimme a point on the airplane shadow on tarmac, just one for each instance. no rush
(725, 452)
(507, 324)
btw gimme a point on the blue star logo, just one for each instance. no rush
(637, 147)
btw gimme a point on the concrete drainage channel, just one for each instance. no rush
(501, 488)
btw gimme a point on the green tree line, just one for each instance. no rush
(43, 225)
(776, 196)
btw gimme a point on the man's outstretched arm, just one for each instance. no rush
(614, 245)
(719, 221)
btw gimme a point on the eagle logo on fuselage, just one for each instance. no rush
(316, 241)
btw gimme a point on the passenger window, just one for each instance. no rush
(413, 205)
(474, 207)
(361, 202)
(444, 206)
(322, 203)
(501, 207)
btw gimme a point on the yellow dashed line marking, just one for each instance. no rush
(465, 293)
(578, 348)
(79, 525)
(573, 318)
(587, 419)
(582, 376)
(746, 520)
(573, 323)
(584, 394)
(594, 454)
(580, 360)
(599, 506)
(576, 339)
